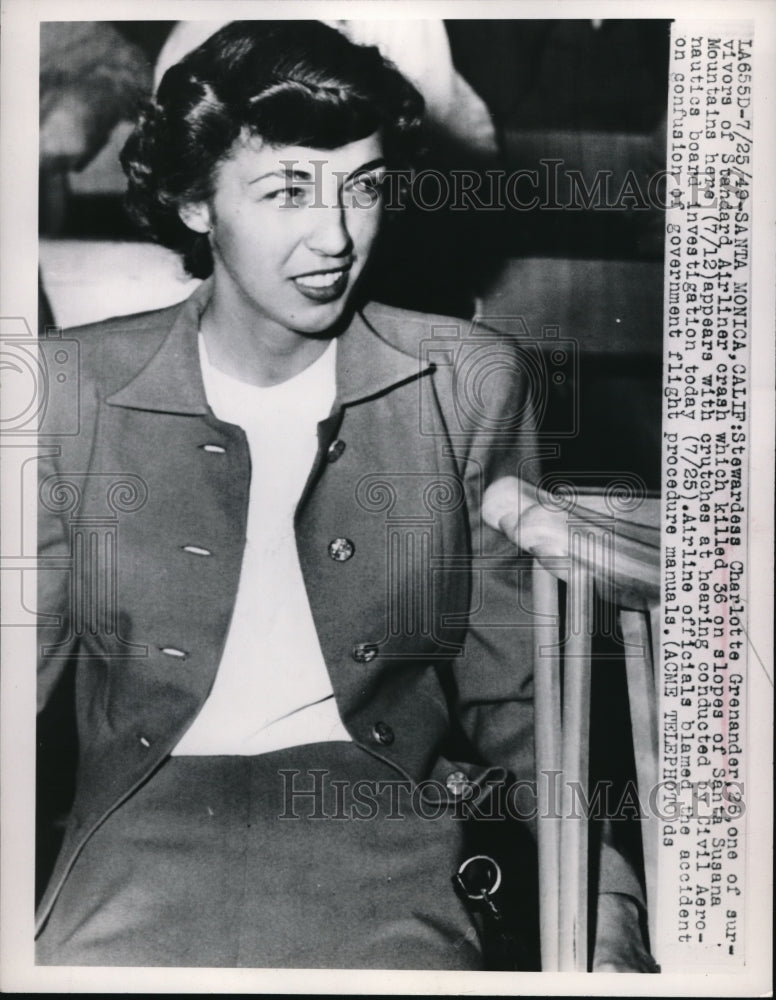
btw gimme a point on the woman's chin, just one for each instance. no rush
(322, 318)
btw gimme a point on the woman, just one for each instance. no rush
(296, 649)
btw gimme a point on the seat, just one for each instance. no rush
(601, 544)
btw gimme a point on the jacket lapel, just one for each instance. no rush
(171, 381)
(368, 364)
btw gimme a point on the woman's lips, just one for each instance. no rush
(323, 286)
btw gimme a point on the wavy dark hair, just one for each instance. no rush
(290, 83)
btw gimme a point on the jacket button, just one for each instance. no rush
(213, 449)
(457, 783)
(382, 733)
(365, 652)
(177, 654)
(196, 550)
(341, 549)
(335, 450)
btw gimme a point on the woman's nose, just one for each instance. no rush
(329, 233)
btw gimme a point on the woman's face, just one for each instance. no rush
(292, 228)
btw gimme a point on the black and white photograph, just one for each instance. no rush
(387, 447)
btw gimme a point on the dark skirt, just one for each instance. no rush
(312, 857)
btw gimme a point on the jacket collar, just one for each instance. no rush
(171, 381)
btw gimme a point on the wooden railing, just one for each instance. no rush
(598, 545)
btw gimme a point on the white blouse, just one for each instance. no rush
(272, 688)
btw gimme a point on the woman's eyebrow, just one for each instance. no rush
(284, 173)
(371, 165)
(290, 173)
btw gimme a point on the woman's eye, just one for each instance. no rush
(368, 186)
(369, 182)
(287, 196)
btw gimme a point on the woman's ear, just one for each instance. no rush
(197, 216)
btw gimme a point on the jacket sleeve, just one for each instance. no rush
(64, 444)
(55, 642)
(494, 678)
(494, 418)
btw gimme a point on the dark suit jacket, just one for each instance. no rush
(426, 643)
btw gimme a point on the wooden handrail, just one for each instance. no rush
(592, 542)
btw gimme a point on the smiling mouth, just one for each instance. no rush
(323, 286)
(321, 279)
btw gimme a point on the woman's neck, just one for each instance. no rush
(254, 348)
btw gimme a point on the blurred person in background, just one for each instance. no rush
(91, 78)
